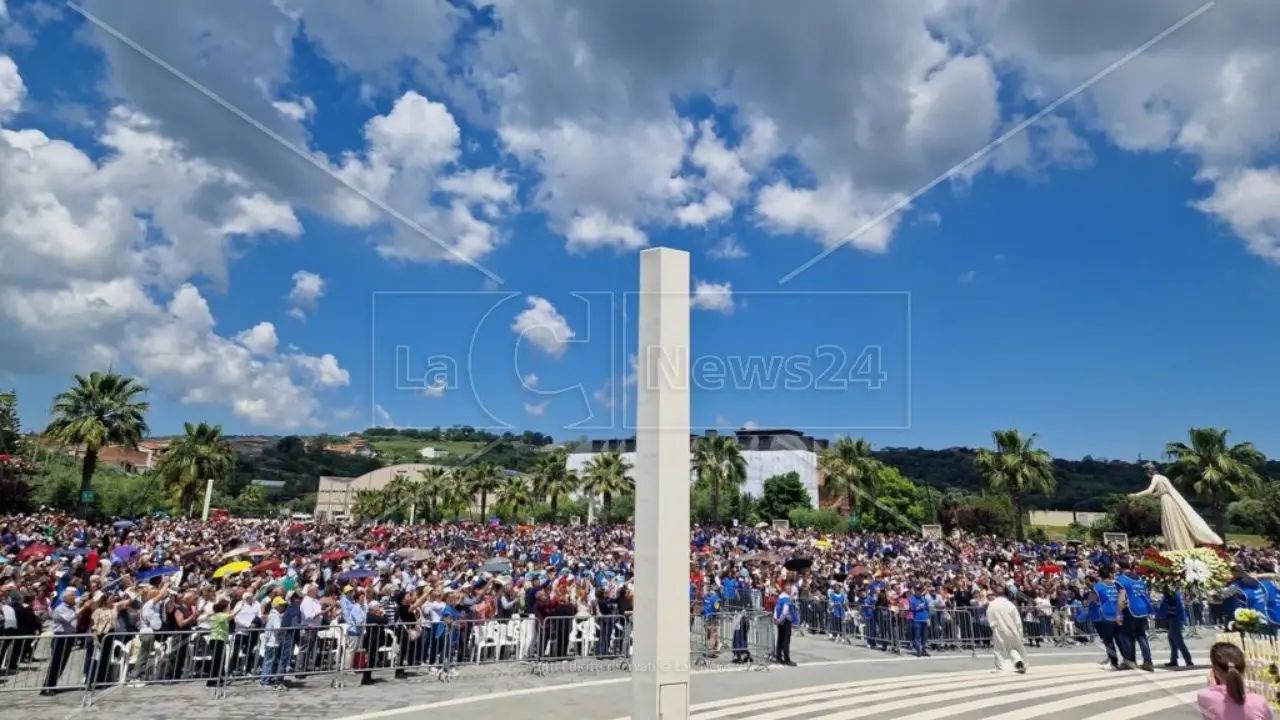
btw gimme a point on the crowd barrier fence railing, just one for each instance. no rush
(339, 655)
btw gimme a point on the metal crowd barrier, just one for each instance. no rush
(338, 655)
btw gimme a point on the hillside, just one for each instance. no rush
(1081, 484)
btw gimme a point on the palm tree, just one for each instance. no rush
(553, 480)
(849, 469)
(719, 464)
(369, 504)
(432, 488)
(515, 494)
(1015, 467)
(484, 480)
(400, 493)
(606, 475)
(100, 409)
(1213, 470)
(201, 454)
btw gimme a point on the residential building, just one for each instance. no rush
(127, 459)
(249, 446)
(1063, 518)
(766, 452)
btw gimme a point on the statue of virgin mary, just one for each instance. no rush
(1182, 526)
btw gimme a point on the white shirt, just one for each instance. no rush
(246, 612)
(311, 611)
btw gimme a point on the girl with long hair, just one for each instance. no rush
(1227, 698)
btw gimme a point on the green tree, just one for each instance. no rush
(719, 464)
(369, 504)
(15, 465)
(1137, 517)
(252, 501)
(898, 506)
(850, 471)
(605, 475)
(99, 409)
(515, 495)
(484, 480)
(1015, 468)
(1213, 470)
(431, 488)
(553, 480)
(400, 493)
(782, 494)
(199, 455)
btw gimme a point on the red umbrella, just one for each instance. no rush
(335, 555)
(265, 565)
(33, 550)
(1050, 568)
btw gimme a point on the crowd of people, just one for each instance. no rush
(276, 598)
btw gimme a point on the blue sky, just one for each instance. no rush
(1067, 285)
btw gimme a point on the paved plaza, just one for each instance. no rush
(834, 681)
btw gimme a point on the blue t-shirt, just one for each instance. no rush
(710, 603)
(837, 601)
(919, 609)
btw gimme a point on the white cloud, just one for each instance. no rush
(435, 389)
(12, 90)
(260, 339)
(832, 212)
(968, 276)
(727, 249)
(381, 417)
(750, 425)
(308, 287)
(543, 326)
(530, 381)
(536, 409)
(96, 254)
(716, 297)
(296, 110)
(581, 93)
(1249, 203)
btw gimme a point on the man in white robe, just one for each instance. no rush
(1006, 634)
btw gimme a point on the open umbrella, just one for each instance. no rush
(31, 551)
(236, 553)
(798, 564)
(621, 551)
(258, 552)
(124, 553)
(193, 553)
(232, 568)
(265, 565)
(352, 575)
(335, 555)
(123, 524)
(496, 565)
(364, 555)
(146, 575)
(840, 577)
(413, 554)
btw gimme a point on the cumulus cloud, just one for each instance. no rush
(96, 256)
(543, 326)
(716, 297)
(306, 292)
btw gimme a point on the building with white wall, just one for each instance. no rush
(767, 453)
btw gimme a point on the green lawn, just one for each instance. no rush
(405, 450)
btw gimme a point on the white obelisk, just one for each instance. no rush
(660, 650)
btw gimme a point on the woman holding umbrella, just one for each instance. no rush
(785, 616)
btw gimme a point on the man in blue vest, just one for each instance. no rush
(836, 602)
(1135, 608)
(785, 615)
(1108, 613)
(869, 616)
(918, 607)
(1244, 591)
(1174, 611)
